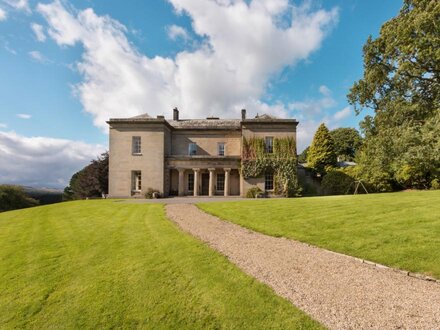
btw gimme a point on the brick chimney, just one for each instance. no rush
(243, 114)
(175, 114)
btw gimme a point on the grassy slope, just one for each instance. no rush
(101, 264)
(399, 229)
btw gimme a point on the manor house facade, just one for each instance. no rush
(187, 156)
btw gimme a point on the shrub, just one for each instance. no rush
(336, 183)
(253, 192)
(435, 184)
(14, 197)
(152, 193)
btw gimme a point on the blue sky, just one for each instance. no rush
(66, 66)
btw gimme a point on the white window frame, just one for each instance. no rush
(136, 145)
(136, 181)
(221, 149)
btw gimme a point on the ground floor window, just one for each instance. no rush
(268, 181)
(136, 180)
(191, 182)
(221, 181)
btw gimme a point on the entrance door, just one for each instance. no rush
(205, 184)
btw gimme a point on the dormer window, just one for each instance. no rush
(192, 149)
(221, 149)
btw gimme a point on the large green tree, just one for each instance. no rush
(91, 181)
(401, 83)
(321, 155)
(347, 142)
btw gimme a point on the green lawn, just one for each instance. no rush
(105, 264)
(398, 229)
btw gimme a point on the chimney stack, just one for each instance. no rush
(175, 114)
(243, 114)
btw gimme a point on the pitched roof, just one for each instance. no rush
(205, 123)
(142, 116)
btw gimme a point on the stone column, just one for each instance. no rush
(181, 182)
(227, 172)
(241, 183)
(196, 181)
(211, 182)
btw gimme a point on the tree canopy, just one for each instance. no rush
(91, 181)
(347, 141)
(401, 83)
(321, 155)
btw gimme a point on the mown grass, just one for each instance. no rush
(102, 264)
(397, 229)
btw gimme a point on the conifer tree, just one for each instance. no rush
(322, 156)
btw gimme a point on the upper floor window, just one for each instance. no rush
(268, 181)
(136, 145)
(221, 148)
(268, 142)
(192, 149)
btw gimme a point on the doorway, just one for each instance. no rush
(205, 184)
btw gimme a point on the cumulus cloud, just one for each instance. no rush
(312, 107)
(24, 116)
(42, 161)
(174, 32)
(344, 113)
(3, 15)
(245, 45)
(19, 5)
(39, 32)
(2, 125)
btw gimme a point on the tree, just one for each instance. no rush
(302, 158)
(347, 142)
(401, 83)
(14, 197)
(321, 156)
(91, 181)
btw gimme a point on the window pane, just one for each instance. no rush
(269, 144)
(220, 182)
(192, 149)
(136, 183)
(191, 181)
(268, 181)
(136, 145)
(221, 149)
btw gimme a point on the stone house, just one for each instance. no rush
(187, 156)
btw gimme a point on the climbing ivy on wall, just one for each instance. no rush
(255, 162)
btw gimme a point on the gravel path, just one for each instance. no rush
(336, 290)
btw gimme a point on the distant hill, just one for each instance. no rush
(44, 195)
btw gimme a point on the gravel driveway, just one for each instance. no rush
(336, 290)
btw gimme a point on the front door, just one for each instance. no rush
(205, 184)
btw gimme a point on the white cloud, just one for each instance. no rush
(344, 113)
(2, 125)
(324, 90)
(246, 45)
(19, 5)
(37, 56)
(39, 32)
(174, 32)
(24, 116)
(3, 15)
(42, 161)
